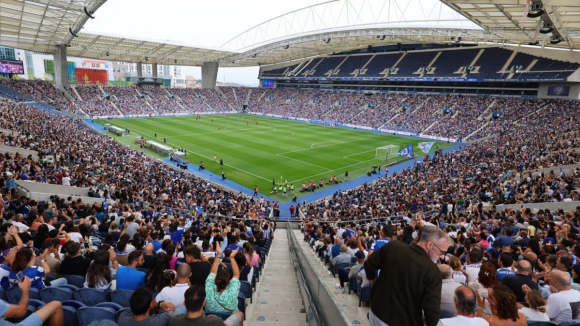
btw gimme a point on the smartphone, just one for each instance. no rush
(86, 245)
(20, 276)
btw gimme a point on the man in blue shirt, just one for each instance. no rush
(385, 234)
(129, 277)
(504, 239)
(351, 232)
(155, 242)
(175, 234)
(505, 263)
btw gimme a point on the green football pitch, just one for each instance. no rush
(258, 149)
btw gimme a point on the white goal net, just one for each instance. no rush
(386, 152)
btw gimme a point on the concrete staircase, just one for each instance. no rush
(277, 300)
(349, 302)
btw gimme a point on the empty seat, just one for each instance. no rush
(90, 297)
(122, 297)
(70, 317)
(246, 289)
(75, 280)
(74, 304)
(89, 314)
(112, 305)
(56, 293)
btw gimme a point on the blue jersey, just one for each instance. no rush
(503, 272)
(379, 243)
(350, 233)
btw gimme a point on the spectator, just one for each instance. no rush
(195, 300)
(537, 307)
(200, 268)
(503, 305)
(99, 274)
(223, 292)
(140, 313)
(129, 277)
(559, 307)
(465, 301)
(51, 312)
(76, 263)
(448, 290)
(487, 278)
(175, 294)
(154, 279)
(522, 277)
(396, 291)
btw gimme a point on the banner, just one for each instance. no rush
(407, 151)
(425, 146)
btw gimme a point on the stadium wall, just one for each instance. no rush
(569, 91)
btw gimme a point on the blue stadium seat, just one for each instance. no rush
(74, 304)
(338, 267)
(70, 317)
(69, 286)
(364, 294)
(112, 305)
(353, 284)
(89, 314)
(242, 304)
(36, 304)
(14, 294)
(246, 289)
(49, 294)
(122, 297)
(90, 297)
(546, 323)
(119, 312)
(75, 280)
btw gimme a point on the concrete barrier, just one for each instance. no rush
(566, 168)
(43, 191)
(566, 206)
(24, 152)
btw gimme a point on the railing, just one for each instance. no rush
(321, 307)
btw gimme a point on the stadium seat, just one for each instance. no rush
(69, 286)
(74, 304)
(90, 297)
(14, 294)
(545, 323)
(246, 289)
(221, 315)
(242, 304)
(364, 294)
(70, 317)
(49, 294)
(572, 323)
(338, 267)
(36, 304)
(75, 280)
(122, 297)
(353, 285)
(87, 315)
(112, 305)
(119, 312)
(446, 314)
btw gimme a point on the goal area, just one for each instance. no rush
(386, 152)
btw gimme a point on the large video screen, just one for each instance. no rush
(267, 83)
(558, 90)
(11, 67)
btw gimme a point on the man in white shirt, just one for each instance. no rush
(175, 294)
(19, 223)
(466, 305)
(473, 264)
(448, 289)
(563, 306)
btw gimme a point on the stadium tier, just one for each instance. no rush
(475, 63)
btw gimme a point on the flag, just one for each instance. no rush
(407, 151)
(199, 210)
(105, 206)
(426, 146)
(561, 171)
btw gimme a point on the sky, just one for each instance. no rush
(208, 23)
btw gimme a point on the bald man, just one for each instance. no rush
(465, 302)
(343, 257)
(522, 277)
(448, 289)
(563, 306)
(175, 294)
(149, 256)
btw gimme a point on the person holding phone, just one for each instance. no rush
(23, 265)
(51, 312)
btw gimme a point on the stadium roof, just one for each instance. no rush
(40, 25)
(333, 26)
(511, 16)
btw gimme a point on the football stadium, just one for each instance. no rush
(368, 162)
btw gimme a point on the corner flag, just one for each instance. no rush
(407, 151)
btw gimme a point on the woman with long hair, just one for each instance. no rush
(99, 274)
(252, 257)
(486, 279)
(222, 292)
(154, 277)
(459, 274)
(40, 236)
(537, 307)
(503, 304)
(170, 251)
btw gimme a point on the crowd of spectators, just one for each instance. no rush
(94, 103)
(128, 101)
(162, 103)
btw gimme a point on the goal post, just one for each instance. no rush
(386, 152)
